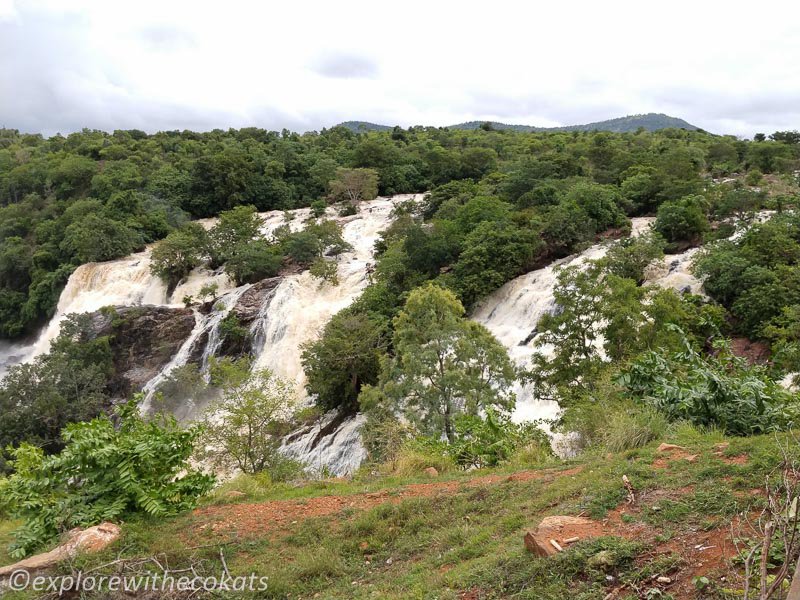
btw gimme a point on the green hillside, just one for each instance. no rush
(648, 122)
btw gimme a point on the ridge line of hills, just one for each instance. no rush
(629, 123)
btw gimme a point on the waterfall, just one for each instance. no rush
(298, 309)
(295, 312)
(124, 282)
(512, 314)
(205, 325)
(332, 444)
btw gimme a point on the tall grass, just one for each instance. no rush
(633, 428)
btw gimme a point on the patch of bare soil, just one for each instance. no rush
(756, 353)
(244, 520)
(670, 453)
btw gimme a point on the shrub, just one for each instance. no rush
(682, 220)
(383, 434)
(633, 428)
(245, 425)
(104, 473)
(235, 338)
(486, 442)
(754, 177)
(720, 390)
(253, 262)
(325, 270)
(318, 208)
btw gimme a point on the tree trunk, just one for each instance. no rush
(794, 591)
(448, 423)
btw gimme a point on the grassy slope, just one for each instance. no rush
(466, 541)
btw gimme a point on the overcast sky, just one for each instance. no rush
(154, 65)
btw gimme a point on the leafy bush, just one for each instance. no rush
(325, 270)
(245, 425)
(66, 385)
(104, 473)
(253, 262)
(682, 220)
(487, 442)
(720, 390)
(235, 338)
(318, 208)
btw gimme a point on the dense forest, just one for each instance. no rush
(94, 196)
(626, 361)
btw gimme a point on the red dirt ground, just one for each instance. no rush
(256, 519)
(701, 552)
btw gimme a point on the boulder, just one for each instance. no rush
(669, 447)
(431, 472)
(93, 539)
(249, 304)
(559, 528)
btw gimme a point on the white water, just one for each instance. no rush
(512, 313)
(301, 305)
(296, 311)
(123, 282)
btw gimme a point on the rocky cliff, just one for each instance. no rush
(143, 340)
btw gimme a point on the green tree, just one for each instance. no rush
(98, 238)
(254, 261)
(344, 359)
(353, 185)
(235, 230)
(243, 427)
(492, 254)
(444, 364)
(630, 257)
(67, 384)
(682, 220)
(180, 252)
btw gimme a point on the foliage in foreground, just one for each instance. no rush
(244, 427)
(105, 472)
(720, 390)
(445, 365)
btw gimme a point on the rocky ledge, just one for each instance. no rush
(143, 339)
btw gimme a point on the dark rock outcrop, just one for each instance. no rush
(250, 302)
(239, 341)
(143, 339)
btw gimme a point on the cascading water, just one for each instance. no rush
(512, 313)
(205, 325)
(296, 310)
(124, 282)
(290, 315)
(301, 305)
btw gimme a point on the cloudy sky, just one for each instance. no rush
(164, 64)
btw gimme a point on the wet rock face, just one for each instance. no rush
(143, 339)
(251, 301)
(246, 311)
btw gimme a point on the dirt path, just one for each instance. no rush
(258, 518)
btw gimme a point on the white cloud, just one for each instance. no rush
(156, 64)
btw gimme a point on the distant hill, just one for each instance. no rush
(359, 126)
(649, 121)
